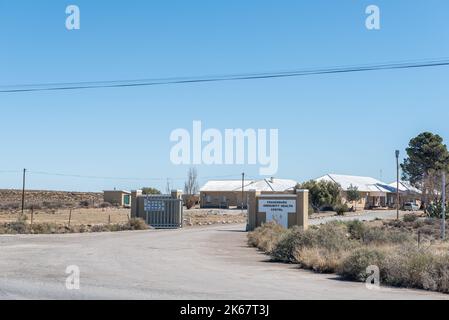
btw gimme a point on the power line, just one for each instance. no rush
(119, 178)
(218, 78)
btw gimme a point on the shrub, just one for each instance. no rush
(44, 228)
(33, 206)
(52, 204)
(137, 224)
(378, 235)
(10, 206)
(434, 210)
(356, 229)
(341, 209)
(85, 203)
(410, 217)
(417, 268)
(105, 205)
(266, 237)
(354, 266)
(320, 260)
(190, 202)
(288, 243)
(332, 237)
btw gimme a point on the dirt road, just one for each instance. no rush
(196, 263)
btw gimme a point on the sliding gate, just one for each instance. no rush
(163, 212)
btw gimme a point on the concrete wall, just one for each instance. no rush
(298, 218)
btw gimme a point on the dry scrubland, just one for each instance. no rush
(348, 248)
(11, 199)
(68, 212)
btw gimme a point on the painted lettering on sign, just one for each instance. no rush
(277, 210)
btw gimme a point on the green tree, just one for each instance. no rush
(322, 193)
(353, 195)
(427, 158)
(149, 190)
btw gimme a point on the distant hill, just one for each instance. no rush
(10, 199)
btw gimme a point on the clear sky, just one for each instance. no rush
(341, 123)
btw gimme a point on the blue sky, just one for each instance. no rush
(343, 123)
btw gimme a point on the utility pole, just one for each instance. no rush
(397, 184)
(23, 190)
(243, 188)
(443, 206)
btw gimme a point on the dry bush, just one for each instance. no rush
(136, 224)
(410, 217)
(266, 237)
(417, 268)
(320, 260)
(353, 267)
(332, 237)
(382, 236)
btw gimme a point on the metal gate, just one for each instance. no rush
(163, 212)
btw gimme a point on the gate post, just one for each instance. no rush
(252, 209)
(302, 208)
(134, 204)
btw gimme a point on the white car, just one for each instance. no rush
(410, 206)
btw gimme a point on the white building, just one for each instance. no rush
(228, 193)
(374, 193)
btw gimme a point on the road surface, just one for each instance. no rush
(196, 263)
(367, 215)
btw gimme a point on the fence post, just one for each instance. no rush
(70, 216)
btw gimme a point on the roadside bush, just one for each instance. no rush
(136, 224)
(354, 266)
(331, 237)
(417, 268)
(410, 217)
(288, 243)
(320, 260)
(17, 227)
(356, 229)
(266, 237)
(45, 228)
(379, 236)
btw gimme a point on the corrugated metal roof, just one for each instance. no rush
(363, 184)
(277, 185)
(405, 186)
(224, 185)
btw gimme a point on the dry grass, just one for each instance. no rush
(22, 226)
(349, 248)
(79, 216)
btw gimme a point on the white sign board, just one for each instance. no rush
(277, 210)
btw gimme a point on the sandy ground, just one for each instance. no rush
(211, 262)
